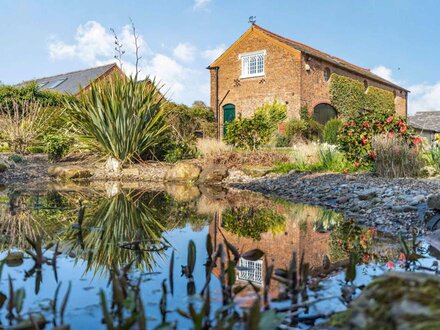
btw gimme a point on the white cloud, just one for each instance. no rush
(91, 41)
(384, 72)
(199, 4)
(211, 54)
(424, 97)
(185, 52)
(94, 45)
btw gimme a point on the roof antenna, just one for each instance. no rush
(252, 19)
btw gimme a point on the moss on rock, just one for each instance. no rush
(394, 301)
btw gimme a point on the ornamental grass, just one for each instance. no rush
(395, 157)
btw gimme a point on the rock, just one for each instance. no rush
(434, 239)
(409, 208)
(69, 172)
(113, 166)
(14, 258)
(367, 194)
(184, 172)
(213, 173)
(396, 300)
(417, 200)
(434, 201)
(3, 167)
(342, 200)
(131, 171)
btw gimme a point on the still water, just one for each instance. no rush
(98, 229)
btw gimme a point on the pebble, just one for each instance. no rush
(360, 197)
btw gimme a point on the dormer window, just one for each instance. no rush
(252, 64)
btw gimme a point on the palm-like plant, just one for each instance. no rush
(120, 117)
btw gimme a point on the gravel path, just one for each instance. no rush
(390, 205)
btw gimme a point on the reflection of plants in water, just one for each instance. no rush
(327, 220)
(348, 240)
(176, 214)
(122, 229)
(252, 222)
(31, 217)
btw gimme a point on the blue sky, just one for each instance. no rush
(398, 39)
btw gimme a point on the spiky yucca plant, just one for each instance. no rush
(120, 116)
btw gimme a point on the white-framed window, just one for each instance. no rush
(252, 64)
(249, 270)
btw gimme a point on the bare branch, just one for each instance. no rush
(137, 47)
(118, 48)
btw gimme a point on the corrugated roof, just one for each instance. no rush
(329, 58)
(426, 120)
(70, 82)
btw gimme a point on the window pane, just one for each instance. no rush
(252, 65)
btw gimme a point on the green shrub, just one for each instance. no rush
(186, 121)
(331, 159)
(299, 130)
(316, 157)
(432, 157)
(330, 131)
(282, 141)
(16, 158)
(56, 146)
(180, 150)
(395, 157)
(119, 117)
(357, 132)
(4, 147)
(30, 93)
(252, 133)
(37, 149)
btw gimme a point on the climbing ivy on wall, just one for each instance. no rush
(379, 100)
(348, 97)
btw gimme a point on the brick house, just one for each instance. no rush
(262, 66)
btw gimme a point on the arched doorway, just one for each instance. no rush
(228, 115)
(323, 112)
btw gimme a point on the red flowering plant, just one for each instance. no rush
(348, 240)
(356, 134)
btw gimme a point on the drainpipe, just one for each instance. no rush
(217, 110)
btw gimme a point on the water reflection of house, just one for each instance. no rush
(298, 235)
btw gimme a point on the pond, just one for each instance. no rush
(72, 253)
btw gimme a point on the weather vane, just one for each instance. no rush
(252, 19)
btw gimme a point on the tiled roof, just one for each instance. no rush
(426, 120)
(329, 58)
(70, 82)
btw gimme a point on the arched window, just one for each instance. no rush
(323, 112)
(327, 74)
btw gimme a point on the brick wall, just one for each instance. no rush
(281, 80)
